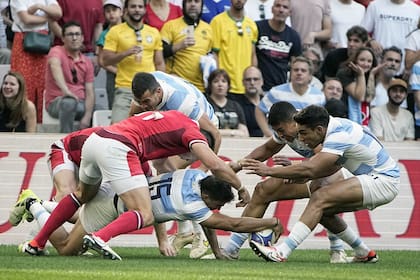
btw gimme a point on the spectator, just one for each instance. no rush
(6, 14)
(212, 8)
(389, 122)
(183, 48)
(412, 48)
(113, 16)
(277, 44)
(415, 86)
(358, 80)
(390, 21)
(89, 13)
(17, 112)
(312, 20)
(357, 37)
(32, 15)
(344, 15)
(259, 9)
(231, 116)
(234, 36)
(133, 47)
(298, 92)
(388, 69)
(5, 55)
(336, 108)
(69, 81)
(160, 11)
(333, 89)
(253, 82)
(315, 57)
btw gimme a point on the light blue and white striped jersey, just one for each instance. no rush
(285, 92)
(360, 151)
(182, 96)
(177, 196)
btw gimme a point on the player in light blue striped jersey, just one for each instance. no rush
(344, 144)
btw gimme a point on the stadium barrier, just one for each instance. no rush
(395, 226)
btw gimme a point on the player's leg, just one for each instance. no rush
(272, 189)
(72, 244)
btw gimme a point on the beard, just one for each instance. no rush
(134, 19)
(390, 72)
(395, 103)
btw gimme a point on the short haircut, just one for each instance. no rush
(336, 108)
(126, 3)
(216, 189)
(142, 82)
(392, 49)
(313, 116)
(70, 24)
(358, 31)
(213, 75)
(281, 112)
(305, 60)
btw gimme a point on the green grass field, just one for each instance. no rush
(146, 263)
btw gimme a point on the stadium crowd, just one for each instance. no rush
(226, 65)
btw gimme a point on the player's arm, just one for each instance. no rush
(261, 153)
(214, 243)
(243, 224)
(165, 247)
(207, 125)
(320, 165)
(221, 170)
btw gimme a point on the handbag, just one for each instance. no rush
(36, 42)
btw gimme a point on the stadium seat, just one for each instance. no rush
(101, 118)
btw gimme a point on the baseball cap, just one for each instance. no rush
(397, 82)
(116, 3)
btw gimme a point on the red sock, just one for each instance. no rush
(125, 223)
(64, 211)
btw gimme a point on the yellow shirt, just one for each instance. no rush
(186, 62)
(121, 38)
(234, 50)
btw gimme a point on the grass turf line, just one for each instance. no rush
(147, 263)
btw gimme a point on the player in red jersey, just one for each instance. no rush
(114, 154)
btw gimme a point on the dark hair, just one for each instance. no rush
(392, 49)
(142, 82)
(126, 3)
(213, 75)
(312, 116)
(358, 31)
(356, 54)
(209, 137)
(19, 105)
(336, 108)
(281, 112)
(70, 24)
(216, 189)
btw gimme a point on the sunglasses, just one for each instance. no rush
(262, 11)
(138, 36)
(74, 75)
(239, 26)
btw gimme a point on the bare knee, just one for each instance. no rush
(261, 193)
(147, 218)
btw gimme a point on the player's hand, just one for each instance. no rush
(244, 197)
(278, 230)
(167, 249)
(255, 167)
(281, 160)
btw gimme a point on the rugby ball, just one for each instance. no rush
(265, 237)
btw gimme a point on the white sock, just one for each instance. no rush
(39, 213)
(351, 238)
(49, 205)
(299, 233)
(236, 241)
(336, 244)
(184, 227)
